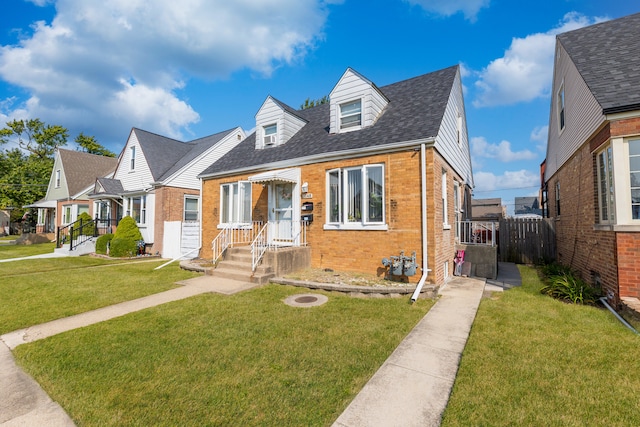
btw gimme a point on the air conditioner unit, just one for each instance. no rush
(270, 139)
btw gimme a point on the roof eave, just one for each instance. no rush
(324, 157)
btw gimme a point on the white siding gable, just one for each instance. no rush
(453, 140)
(351, 87)
(187, 177)
(61, 192)
(583, 114)
(286, 123)
(139, 178)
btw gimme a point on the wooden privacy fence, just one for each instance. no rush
(527, 240)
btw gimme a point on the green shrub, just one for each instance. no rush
(570, 288)
(102, 243)
(123, 247)
(128, 229)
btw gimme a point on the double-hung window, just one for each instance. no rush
(445, 208)
(606, 199)
(58, 178)
(270, 134)
(561, 111)
(138, 209)
(132, 156)
(351, 114)
(235, 203)
(356, 197)
(634, 176)
(190, 209)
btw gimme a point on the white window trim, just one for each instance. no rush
(272, 137)
(132, 158)
(236, 224)
(58, 178)
(622, 181)
(445, 201)
(342, 116)
(184, 209)
(561, 105)
(363, 224)
(143, 208)
(609, 176)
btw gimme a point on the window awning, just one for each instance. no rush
(282, 175)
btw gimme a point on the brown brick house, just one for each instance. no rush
(156, 183)
(374, 172)
(592, 167)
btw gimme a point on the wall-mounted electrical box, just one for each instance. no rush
(307, 206)
(307, 217)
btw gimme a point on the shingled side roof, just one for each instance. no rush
(81, 169)
(415, 111)
(607, 56)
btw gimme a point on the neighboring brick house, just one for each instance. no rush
(72, 179)
(376, 171)
(592, 167)
(156, 183)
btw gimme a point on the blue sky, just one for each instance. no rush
(196, 67)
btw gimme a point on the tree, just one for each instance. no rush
(308, 103)
(90, 145)
(35, 137)
(25, 171)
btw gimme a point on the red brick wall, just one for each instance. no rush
(589, 251)
(169, 206)
(629, 264)
(362, 250)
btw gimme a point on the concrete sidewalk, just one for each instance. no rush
(47, 255)
(413, 385)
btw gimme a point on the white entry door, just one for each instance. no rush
(281, 213)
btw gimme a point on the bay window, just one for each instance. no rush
(235, 203)
(356, 196)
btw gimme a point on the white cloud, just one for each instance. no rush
(122, 62)
(469, 8)
(522, 179)
(524, 72)
(539, 133)
(480, 147)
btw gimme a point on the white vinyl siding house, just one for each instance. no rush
(351, 89)
(275, 125)
(582, 111)
(452, 139)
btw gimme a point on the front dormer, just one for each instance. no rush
(276, 123)
(355, 103)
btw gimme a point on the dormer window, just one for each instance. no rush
(351, 114)
(270, 132)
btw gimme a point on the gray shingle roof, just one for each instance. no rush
(607, 56)
(111, 186)
(81, 169)
(415, 111)
(165, 155)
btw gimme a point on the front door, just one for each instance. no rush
(281, 213)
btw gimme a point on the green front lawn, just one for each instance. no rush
(532, 360)
(18, 251)
(241, 360)
(39, 290)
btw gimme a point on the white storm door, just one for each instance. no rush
(281, 213)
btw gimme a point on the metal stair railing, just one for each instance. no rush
(234, 234)
(259, 245)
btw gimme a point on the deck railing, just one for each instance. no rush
(477, 233)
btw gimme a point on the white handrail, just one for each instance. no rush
(259, 246)
(221, 242)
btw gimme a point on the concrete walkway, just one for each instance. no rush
(47, 255)
(413, 385)
(411, 388)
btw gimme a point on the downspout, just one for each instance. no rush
(425, 262)
(603, 300)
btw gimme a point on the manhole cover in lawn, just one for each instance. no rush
(306, 300)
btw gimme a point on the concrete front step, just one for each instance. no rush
(241, 274)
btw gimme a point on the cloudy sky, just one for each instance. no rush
(192, 68)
